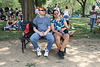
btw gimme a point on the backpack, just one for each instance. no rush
(29, 29)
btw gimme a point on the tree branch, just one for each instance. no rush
(80, 2)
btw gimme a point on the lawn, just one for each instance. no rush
(80, 24)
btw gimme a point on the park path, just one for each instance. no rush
(80, 53)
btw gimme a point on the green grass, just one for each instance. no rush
(82, 29)
(9, 35)
(80, 24)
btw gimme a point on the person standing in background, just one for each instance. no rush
(93, 13)
(66, 13)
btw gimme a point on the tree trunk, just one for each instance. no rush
(83, 10)
(28, 10)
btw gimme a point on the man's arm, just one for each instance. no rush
(36, 31)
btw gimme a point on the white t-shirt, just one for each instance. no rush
(66, 12)
(93, 15)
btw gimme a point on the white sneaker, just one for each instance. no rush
(39, 52)
(46, 53)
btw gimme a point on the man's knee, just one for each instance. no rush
(34, 37)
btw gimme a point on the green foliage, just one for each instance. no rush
(10, 4)
(82, 29)
(40, 2)
(72, 4)
(8, 35)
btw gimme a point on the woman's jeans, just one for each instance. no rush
(36, 37)
(93, 20)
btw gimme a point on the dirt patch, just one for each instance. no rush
(80, 53)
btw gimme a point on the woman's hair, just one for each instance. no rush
(10, 17)
(53, 13)
(55, 5)
(67, 21)
(66, 7)
(93, 7)
(16, 8)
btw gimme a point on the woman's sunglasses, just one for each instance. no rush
(56, 14)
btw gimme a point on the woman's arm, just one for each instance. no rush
(53, 30)
(7, 23)
(70, 27)
(66, 27)
(12, 23)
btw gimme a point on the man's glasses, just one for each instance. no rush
(42, 10)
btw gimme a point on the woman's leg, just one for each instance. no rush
(57, 41)
(65, 42)
(92, 23)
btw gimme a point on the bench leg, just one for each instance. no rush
(23, 46)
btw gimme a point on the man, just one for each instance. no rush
(43, 27)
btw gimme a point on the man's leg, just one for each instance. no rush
(50, 39)
(33, 40)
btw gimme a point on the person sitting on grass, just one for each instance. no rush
(3, 17)
(59, 27)
(42, 30)
(19, 22)
(9, 24)
(98, 22)
(69, 28)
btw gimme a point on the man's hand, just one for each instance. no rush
(44, 33)
(41, 33)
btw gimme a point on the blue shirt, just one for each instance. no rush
(42, 23)
(58, 24)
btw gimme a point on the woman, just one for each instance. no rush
(93, 13)
(9, 24)
(19, 22)
(58, 25)
(66, 13)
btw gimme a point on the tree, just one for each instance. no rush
(82, 3)
(28, 10)
(39, 2)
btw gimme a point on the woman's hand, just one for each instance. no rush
(62, 29)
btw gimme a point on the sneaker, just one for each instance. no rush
(46, 52)
(39, 52)
(61, 54)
